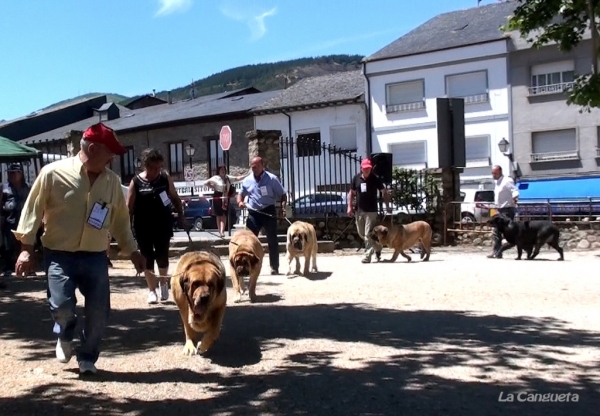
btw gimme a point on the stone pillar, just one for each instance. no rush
(265, 143)
(73, 140)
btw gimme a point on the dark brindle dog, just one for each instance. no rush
(527, 235)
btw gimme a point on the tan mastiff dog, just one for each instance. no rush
(301, 241)
(403, 237)
(246, 255)
(198, 288)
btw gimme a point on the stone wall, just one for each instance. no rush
(582, 235)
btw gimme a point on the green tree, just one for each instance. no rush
(566, 23)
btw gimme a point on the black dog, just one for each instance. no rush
(527, 235)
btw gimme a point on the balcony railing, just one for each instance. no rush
(555, 156)
(550, 89)
(400, 108)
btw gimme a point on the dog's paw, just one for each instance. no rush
(202, 347)
(289, 273)
(189, 349)
(560, 259)
(252, 297)
(237, 298)
(315, 270)
(517, 258)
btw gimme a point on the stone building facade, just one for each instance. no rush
(172, 142)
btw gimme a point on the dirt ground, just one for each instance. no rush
(446, 337)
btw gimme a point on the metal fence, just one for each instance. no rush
(317, 176)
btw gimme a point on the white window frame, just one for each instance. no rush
(482, 96)
(128, 162)
(403, 105)
(417, 164)
(348, 127)
(538, 155)
(484, 160)
(539, 85)
(176, 157)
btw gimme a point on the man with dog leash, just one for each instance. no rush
(80, 201)
(263, 190)
(364, 187)
(506, 197)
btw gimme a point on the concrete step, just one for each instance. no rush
(322, 247)
(185, 242)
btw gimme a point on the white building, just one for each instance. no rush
(456, 54)
(318, 112)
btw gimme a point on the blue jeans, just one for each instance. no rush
(87, 271)
(256, 221)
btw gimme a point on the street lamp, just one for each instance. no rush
(504, 147)
(189, 150)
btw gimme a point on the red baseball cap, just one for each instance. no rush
(366, 164)
(99, 133)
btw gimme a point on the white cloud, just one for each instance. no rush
(171, 6)
(255, 21)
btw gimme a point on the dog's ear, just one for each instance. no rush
(184, 282)
(253, 260)
(304, 237)
(384, 231)
(220, 285)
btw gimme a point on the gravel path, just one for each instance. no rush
(440, 338)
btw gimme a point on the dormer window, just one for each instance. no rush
(108, 111)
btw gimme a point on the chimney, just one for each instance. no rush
(169, 97)
(153, 92)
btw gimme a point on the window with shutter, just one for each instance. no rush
(409, 155)
(405, 96)
(472, 87)
(554, 145)
(128, 165)
(344, 137)
(477, 151)
(176, 158)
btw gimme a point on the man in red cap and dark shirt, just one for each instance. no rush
(80, 200)
(364, 187)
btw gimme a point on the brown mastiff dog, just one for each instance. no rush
(198, 288)
(301, 241)
(403, 237)
(245, 259)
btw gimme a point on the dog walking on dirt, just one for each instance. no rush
(403, 237)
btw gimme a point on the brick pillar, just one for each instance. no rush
(265, 143)
(73, 139)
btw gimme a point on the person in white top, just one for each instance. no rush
(506, 197)
(222, 186)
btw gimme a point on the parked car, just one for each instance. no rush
(477, 206)
(318, 204)
(198, 212)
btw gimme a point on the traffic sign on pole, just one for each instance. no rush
(225, 138)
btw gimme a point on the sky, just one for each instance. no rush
(59, 49)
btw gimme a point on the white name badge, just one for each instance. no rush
(363, 187)
(165, 198)
(98, 216)
(263, 191)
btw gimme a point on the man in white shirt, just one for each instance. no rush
(506, 197)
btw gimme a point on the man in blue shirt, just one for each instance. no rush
(263, 190)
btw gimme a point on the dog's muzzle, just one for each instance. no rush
(201, 304)
(242, 270)
(297, 243)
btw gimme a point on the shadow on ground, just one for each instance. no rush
(312, 382)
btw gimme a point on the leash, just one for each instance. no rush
(268, 215)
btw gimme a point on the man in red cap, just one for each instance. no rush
(80, 200)
(364, 187)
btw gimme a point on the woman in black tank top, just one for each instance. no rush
(151, 200)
